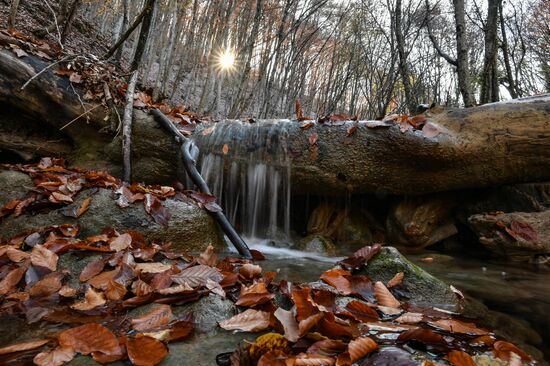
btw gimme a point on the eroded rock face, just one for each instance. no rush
(425, 289)
(518, 235)
(190, 228)
(13, 185)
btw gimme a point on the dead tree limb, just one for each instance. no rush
(127, 129)
(70, 19)
(195, 176)
(130, 30)
(13, 14)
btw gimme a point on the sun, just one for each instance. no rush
(226, 60)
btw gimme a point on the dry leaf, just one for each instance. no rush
(198, 275)
(459, 358)
(208, 257)
(12, 279)
(121, 242)
(360, 347)
(25, 346)
(288, 321)
(410, 318)
(56, 357)
(146, 351)
(384, 296)
(92, 299)
(43, 257)
(89, 338)
(396, 280)
(160, 315)
(47, 286)
(250, 271)
(456, 326)
(155, 267)
(248, 321)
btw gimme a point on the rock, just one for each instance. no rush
(421, 221)
(13, 185)
(317, 244)
(425, 290)
(190, 228)
(208, 311)
(519, 235)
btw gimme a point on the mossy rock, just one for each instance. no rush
(317, 244)
(13, 185)
(425, 289)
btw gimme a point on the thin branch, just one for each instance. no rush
(127, 128)
(78, 117)
(46, 69)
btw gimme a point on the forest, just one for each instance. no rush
(275, 182)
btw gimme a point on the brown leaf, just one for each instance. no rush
(307, 125)
(248, 321)
(75, 78)
(337, 279)
(273, 358)
(225, 149)
(25, 346)
(250, 271)
(327, 347)
(524, 230)
(360, 347)
(115, 291)
(155, 267)
(430, 130)
(456, 326)
(159, 316)
(92, 299)
(351, 129)
(254, 295)
(19, 52)
(121, 242)
(67, 291)
(92, 269)
(384, 296)
(361, 311)
(312, 360)
(197, 275)
(396, 280)
(89, 338)
(121, 354)
(83, 207)
(303, 302)
(146, 351)
(16, 255)
(154, 207)
(313, 137)
(101, 281)
(288, 321)
(43, 257)
(331, 327)
(55, 357)
(207, 201)
(208, 257)
(459, 358)
(12, 279)
(58, 197)
(410, 318)
(141, 288)
(504, 349)
(47, 286)
(426, 336)
(305, 325)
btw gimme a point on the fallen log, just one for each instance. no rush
(484, 146)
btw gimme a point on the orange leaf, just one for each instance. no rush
(55, 357)
(47, 286)
(225, 149)
(25, 346)
(208, 257)
(92, 299)
(146, 351)
(384, 296)
(92, 269)
(456, 326)
(43, 257)
(89, 338)
(313, 360)
(288, 321)
(504, 349)
(305, 325)
(250, 271)
(337, 279)
(459, 358)
(248, 321)
(121, 242)
(12, 279)
(160, 315)
(396, 280)
(360, 347)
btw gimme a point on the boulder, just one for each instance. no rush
(518, 235)
(424, 289)
(317, 244)
(13, 185)
(190, 228)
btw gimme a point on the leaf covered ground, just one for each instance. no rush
(345, 319)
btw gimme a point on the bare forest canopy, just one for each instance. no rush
(357, 57)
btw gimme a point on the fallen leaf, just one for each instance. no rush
(426, 336)
(115, 291)
(456, 326)
(58, 197)
(351, 129)
(55, 357)
(396, 280)
(361, 311)
(360, 347)
(89, 338)
(457, 292)
(92, 299)
(154, 207)
(197, 275)
(304, 359)
(225, 149)
(207, 201)
(273, 358)
(16, 255)
(25, 346)
(248, 321)
(19, 52)
(305, 325)
(337, 279)
(303, 302)
(47, 286)
(159, 316)
(410, 318)
(313, 137)
(460, 358)
(67, 291)
(288, 321)
(92, 269)
(12, 279)
(254, 295)
(307, 125)
(327, 347)
(43, 257)
(141, 288)
(121, 242)
(504, 349)
(431, 130)
(176, 289)
(208, 257)
(215, 287)
(75, 78)
(524, 230)
(146, 351)
(155, 267)
(384, 297)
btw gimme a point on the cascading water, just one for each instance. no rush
(250, 176)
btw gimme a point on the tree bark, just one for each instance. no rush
(13, 14)
(462, 67)
(489, 77)
(494, 144)
(144, 34)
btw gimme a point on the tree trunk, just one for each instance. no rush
(462, 67)
(144, 34)
(403, 67)
(13, 14)
(489, 83)
(490, 145)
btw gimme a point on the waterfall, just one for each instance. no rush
(250, 177)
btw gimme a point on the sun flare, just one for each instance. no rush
(226, 60)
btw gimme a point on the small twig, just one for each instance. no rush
(127, 128)
(56, 23)
(82, 115)
(46, 69)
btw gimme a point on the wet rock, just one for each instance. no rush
(422, 221)
(190, 228)
(13, 185)
(317, 244)
(519, 235)
(424, 289)
(208, 311)
(390, 356)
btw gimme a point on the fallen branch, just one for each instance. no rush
(46, 69)
(198, 180)
(127, 128)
